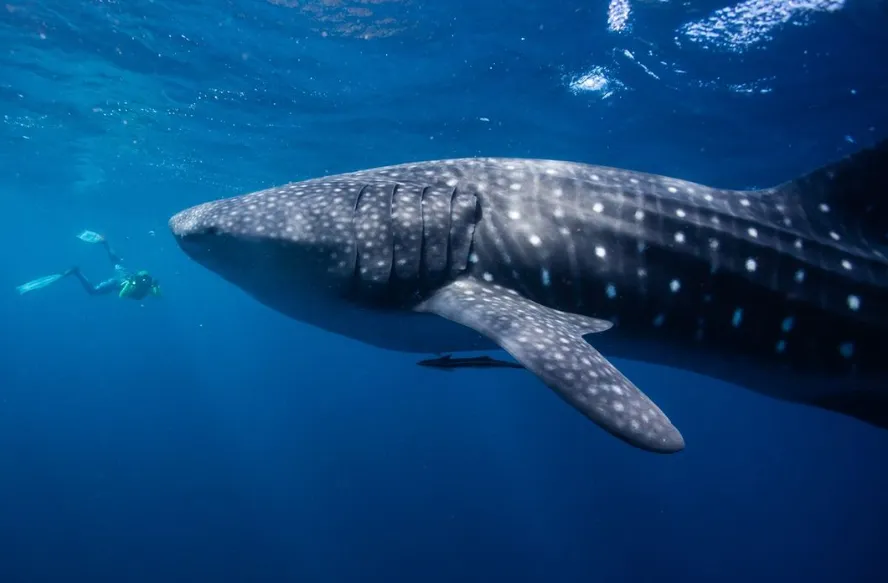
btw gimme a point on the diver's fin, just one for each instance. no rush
(550, 344)
(39, 283)
(90, 237)
(844, 200)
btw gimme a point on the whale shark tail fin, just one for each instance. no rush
(846, 200)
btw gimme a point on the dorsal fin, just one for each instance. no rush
(846, 199)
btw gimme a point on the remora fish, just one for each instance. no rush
(447, 362)
(782, 290)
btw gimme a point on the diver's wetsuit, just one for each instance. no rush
(112, 284)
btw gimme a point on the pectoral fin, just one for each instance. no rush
(550, 344)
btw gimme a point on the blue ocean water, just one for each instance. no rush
(203, 437)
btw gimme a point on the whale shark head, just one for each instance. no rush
(383, 239)
(276, 244)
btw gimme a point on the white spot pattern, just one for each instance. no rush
(703, 226)
(565, 361)
(737, 318)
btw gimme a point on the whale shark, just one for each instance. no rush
(782, 290)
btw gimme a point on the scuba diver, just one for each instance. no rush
(128, 285)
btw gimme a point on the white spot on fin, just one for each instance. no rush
(737, 319)
(555, 350)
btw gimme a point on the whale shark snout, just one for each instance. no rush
(241, 233)
(193, 222)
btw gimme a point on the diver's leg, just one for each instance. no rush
(115, 259)
(99, 289)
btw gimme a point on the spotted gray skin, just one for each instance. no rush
(780, 290)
